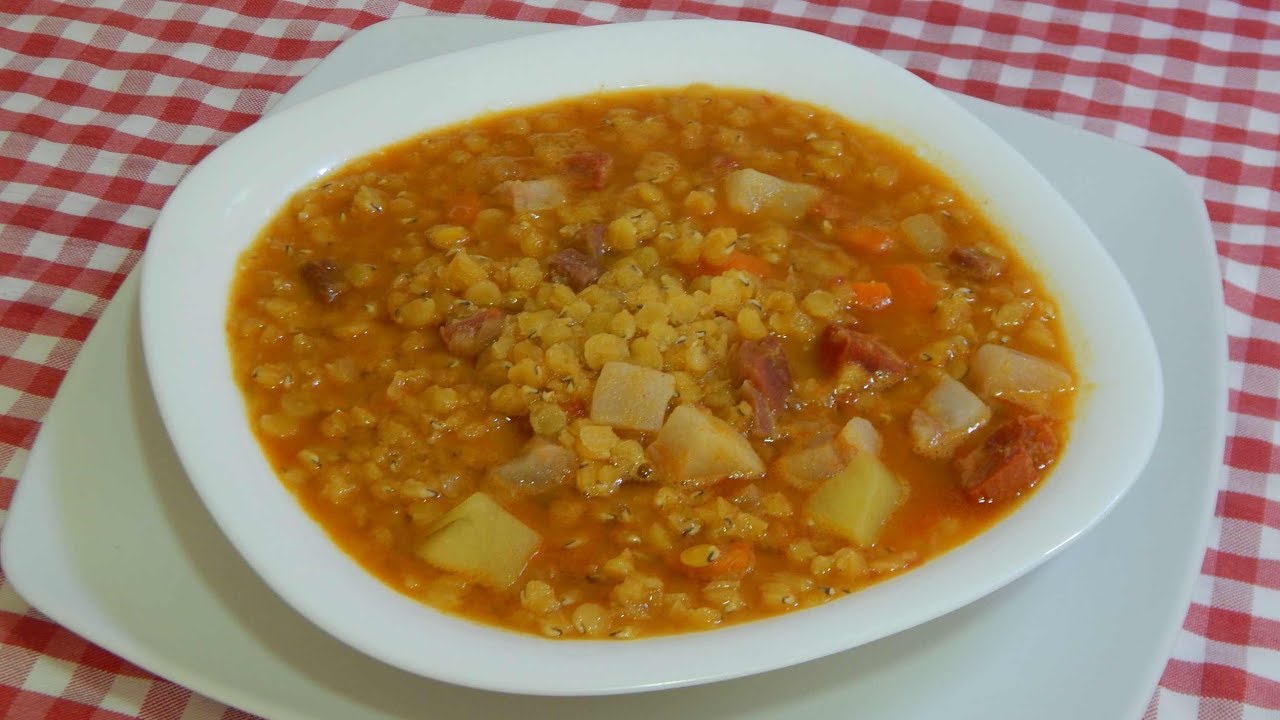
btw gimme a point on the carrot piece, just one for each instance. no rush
(742, 261)
(865, 239)
(871, 295)
(464, 208)
(910, 286)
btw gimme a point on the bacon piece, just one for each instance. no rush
(323, 279)
(841, 345)
(589, 169)
(766, 415)
(766, 372)
(975, 263)
(468, 336)
(533, 195)
(593, 238)
(575, 268)
(1010, 461)
(542, 465)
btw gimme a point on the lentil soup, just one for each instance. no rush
(646, 362)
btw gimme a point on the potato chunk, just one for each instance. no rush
(752, 192)
(481, 540)
(856, 502)
(631, 397)
(859, 436)
(925, 234)
(699, 448)
(1009, 374)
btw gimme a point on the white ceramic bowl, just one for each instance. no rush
(221, 206)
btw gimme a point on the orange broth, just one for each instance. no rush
(411, 322)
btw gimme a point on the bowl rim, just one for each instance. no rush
(179, 357)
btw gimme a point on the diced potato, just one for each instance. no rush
(925, 234)
(804, 469)
(999, 371)
(753, 192)
(857, 501)
(859, 436)
(698, 448)
(955, 405)
(632, 397)
(542, 466)
(946, 416)
(481, 540)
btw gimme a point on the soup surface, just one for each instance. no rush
(646, 362)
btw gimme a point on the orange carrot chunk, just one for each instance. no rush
(911, 289)
(871, 295)
(865, 239)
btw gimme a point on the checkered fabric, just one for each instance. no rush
(104, 106)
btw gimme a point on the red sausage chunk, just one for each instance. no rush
(575, 268)
(469, 335)
(590, 169)
(975, 263)
(323, 279)
(766, 373)
(840, 345)
(1010, 461)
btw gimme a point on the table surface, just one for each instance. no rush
(104, 106)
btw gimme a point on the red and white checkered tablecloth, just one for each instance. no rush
(104, 106)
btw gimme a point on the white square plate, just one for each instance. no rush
(106, 536)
